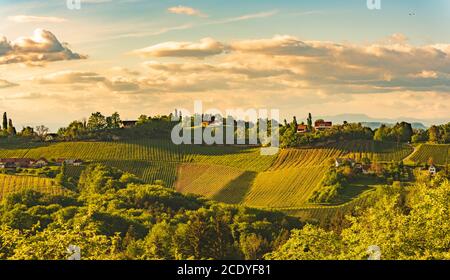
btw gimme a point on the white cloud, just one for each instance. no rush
(206, 47)
(42, 47)
(184, 10)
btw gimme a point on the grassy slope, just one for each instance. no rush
(12, 183)
(439, 153)
(224, 173)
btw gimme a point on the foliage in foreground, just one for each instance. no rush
(405, 224)
(112, 215)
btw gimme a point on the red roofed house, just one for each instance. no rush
(17, 162)
(322, 125)
(301, 128)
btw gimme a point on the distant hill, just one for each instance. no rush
(375, 123)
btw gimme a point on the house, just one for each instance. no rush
(50, 137)
(77, 162)
(128, 124)
(17, 162)
(322, 125)
(70, 161)
(344, 161)
(432, 170)
(40, 163)
(206, 123)
(301, 128)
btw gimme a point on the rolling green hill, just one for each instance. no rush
(439, 153)
(230, 174)
(11, 183)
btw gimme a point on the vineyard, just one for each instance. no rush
(440, 154)
(374, 150)
(230, 174)
(325, 214)
(211, 181)
(10, 184)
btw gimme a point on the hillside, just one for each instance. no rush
(440, 154)
(11, 184)
(230, 174)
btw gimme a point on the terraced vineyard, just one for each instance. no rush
(229, 174)
(149, 159)
(374, 150)
(223, 183)
(11, 183)
(285, 187)
(439, 153)
(325, 214)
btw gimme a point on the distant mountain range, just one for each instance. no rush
(375, 123)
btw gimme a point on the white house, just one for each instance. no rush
(432, 170)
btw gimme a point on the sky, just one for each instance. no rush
(150, 57)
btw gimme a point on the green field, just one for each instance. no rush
(374, 150)
(11, 183)
(439, 153)
(230, 174)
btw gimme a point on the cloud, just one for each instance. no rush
(184, 10)
(283, 45)
(42, 47)
(77, 78)
(70, 77)
(6, 84)
(206, 47)
(287, 63)
(35, 19)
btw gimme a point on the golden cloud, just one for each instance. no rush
(42, 47)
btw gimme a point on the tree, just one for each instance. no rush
(96, 122)
(253, 246)
(27, 132)
(41, 131)
(142, 119)
(158, 243)
(11, 128)
(309, 121)
(5, 122)
(381, 133)
(113, 121)
(433, 134)
(294, 122)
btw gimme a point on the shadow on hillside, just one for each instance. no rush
(367, 146)
(13, 144)
(235, 191)
(195, 149)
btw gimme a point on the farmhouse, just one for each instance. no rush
(70, 161)
(128, 124)
(206, 123)
(432, 170)
(50, 137)
(344, 161)
(301, 128)
(16, 162)
(40, 163)
(322, 125)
